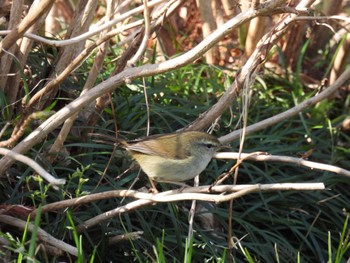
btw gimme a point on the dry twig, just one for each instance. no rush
(34, 165)
(42, 234)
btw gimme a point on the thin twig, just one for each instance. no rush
(146, 36)
(125, 237)
(285, 159)
(35, 166)
(191, 215)
(112, 213)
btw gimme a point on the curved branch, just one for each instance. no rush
(31, 163)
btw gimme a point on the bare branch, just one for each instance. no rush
(185, 195)
(284, 159)
(176, 195)
(204, 193)
(31, 163)
(42, 234)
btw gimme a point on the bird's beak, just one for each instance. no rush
(225, 147)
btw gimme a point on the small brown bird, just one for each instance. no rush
(173, 157)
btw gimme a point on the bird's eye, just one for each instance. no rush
(209, 145)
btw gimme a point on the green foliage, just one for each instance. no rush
(5, 111)
(158, 250)
(343, 246)
(77, 238)
(34, 236)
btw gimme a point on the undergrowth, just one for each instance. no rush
(289, 226)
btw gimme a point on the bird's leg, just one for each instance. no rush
(153, 190)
